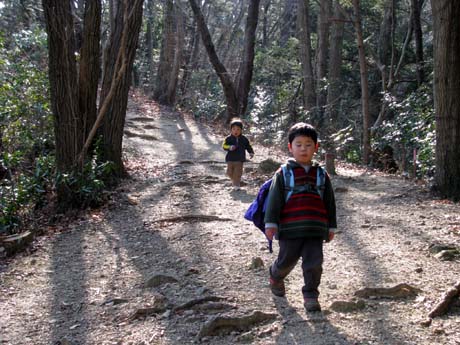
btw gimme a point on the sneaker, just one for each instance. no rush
(311, 304)
(277, 287)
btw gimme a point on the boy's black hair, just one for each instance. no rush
(302, 128)
(236, 122)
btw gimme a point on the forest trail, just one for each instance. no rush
(170, 258)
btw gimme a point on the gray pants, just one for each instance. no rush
(311, 252)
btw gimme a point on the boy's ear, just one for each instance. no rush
(289, 147)
(317, 146)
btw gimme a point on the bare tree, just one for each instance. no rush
(236, 92)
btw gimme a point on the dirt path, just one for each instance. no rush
(171, 253)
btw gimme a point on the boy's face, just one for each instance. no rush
(303, 148)
(236, 131)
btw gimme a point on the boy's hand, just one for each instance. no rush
(331, 236)
(270, 233)
(232, 148)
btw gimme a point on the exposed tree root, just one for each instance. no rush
(224, 325)
(192, 218)
(194, 302)
(399, 291)
(445, 302)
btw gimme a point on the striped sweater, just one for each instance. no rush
(305, 214)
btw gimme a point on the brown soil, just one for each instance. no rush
(170, 259)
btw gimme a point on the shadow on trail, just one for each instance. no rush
(315, 329)
(68, 295)
(352, 244)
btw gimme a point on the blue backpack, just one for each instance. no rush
(256, 211)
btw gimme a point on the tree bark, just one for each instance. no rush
(335, 66)
(247, 64)
(149, 44)
(288, 21)
(191, 61)
(322, 58)
(266, 7)
(90, 65)
(169, 48)
(64, 91)
(446, 48)
(418, 38)
(117, 76)
(303, 30)
(364, 84)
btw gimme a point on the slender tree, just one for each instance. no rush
(364, 83)
(236, 92)
(305, 52)
(170, 55)
(322, 55)
(416, 7)
(335, 65)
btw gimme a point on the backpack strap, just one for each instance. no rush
(320, 181)
(288, 181)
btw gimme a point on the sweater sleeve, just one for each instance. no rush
(249, 147)
(225, 144)
(275, 200)
(329, 203)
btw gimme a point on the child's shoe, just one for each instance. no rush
(311, 304)
(277, 287)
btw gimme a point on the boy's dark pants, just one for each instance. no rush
(311, 252)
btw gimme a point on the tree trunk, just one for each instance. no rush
(266, 7)
(90, 65)
(64, 91)
(288, 21)
(364, 84)
(303, 29)
(418, 37)
(178, 56)
(117, 76)
(236, 96)
(224, 76)
(321, 62)
(190, 61)
(167, 54)
(446, 48)
(149, 44)
(335, 66)
(247, 64)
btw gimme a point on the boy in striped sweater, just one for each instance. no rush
(304, 221)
